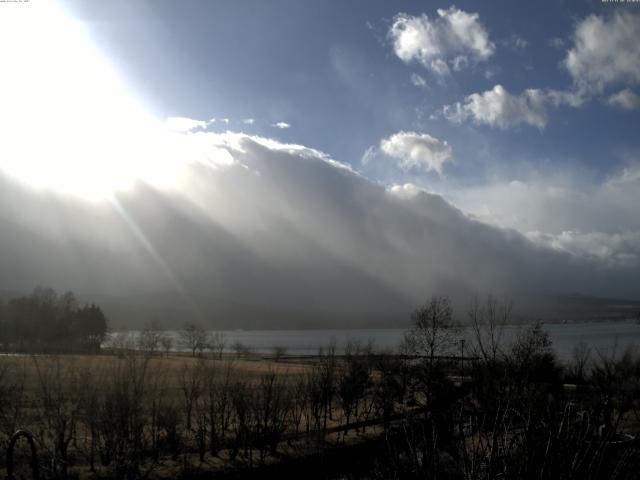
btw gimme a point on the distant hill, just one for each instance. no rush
(577, 307)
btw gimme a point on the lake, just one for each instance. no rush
(602, 337)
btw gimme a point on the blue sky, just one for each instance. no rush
(329, 70)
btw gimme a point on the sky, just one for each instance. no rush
(315, 155)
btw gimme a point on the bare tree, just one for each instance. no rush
(488, 321)
(223, 399)
(322, 386)
(279, 352)
(433, 332)
(617, 379)
(58, 410)
(166, 341)
(580, 363)
(242, 402)
(271, 410)
(216, 342)
(241, 350)
(12, 394)
(299, 402)
(158, 400)
(168, 424)
(190, 379)
(90, 400)
(121, 414)
(216, 402)
(193, 337)
(149, 338)
(389, 384)
(353, 380)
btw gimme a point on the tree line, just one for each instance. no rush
(151, 339)
(47, 322)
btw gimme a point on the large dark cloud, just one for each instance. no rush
(283, 236)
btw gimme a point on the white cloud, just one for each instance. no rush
(625, 99)
(249, 121)
(184, 124)
(417, 80)
(281, 125)
(418, 151)
(606, 52)
(499, 108)
(452, 40)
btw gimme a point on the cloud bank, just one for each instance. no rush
(281, 236)
(567, 211)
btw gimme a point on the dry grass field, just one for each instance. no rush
(28, 368)
(162, 415)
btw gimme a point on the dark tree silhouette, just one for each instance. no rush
(47, 322)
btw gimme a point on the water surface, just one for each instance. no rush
(603, 337)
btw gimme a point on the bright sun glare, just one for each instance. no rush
(66, 121)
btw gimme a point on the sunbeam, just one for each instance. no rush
(151, 250)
